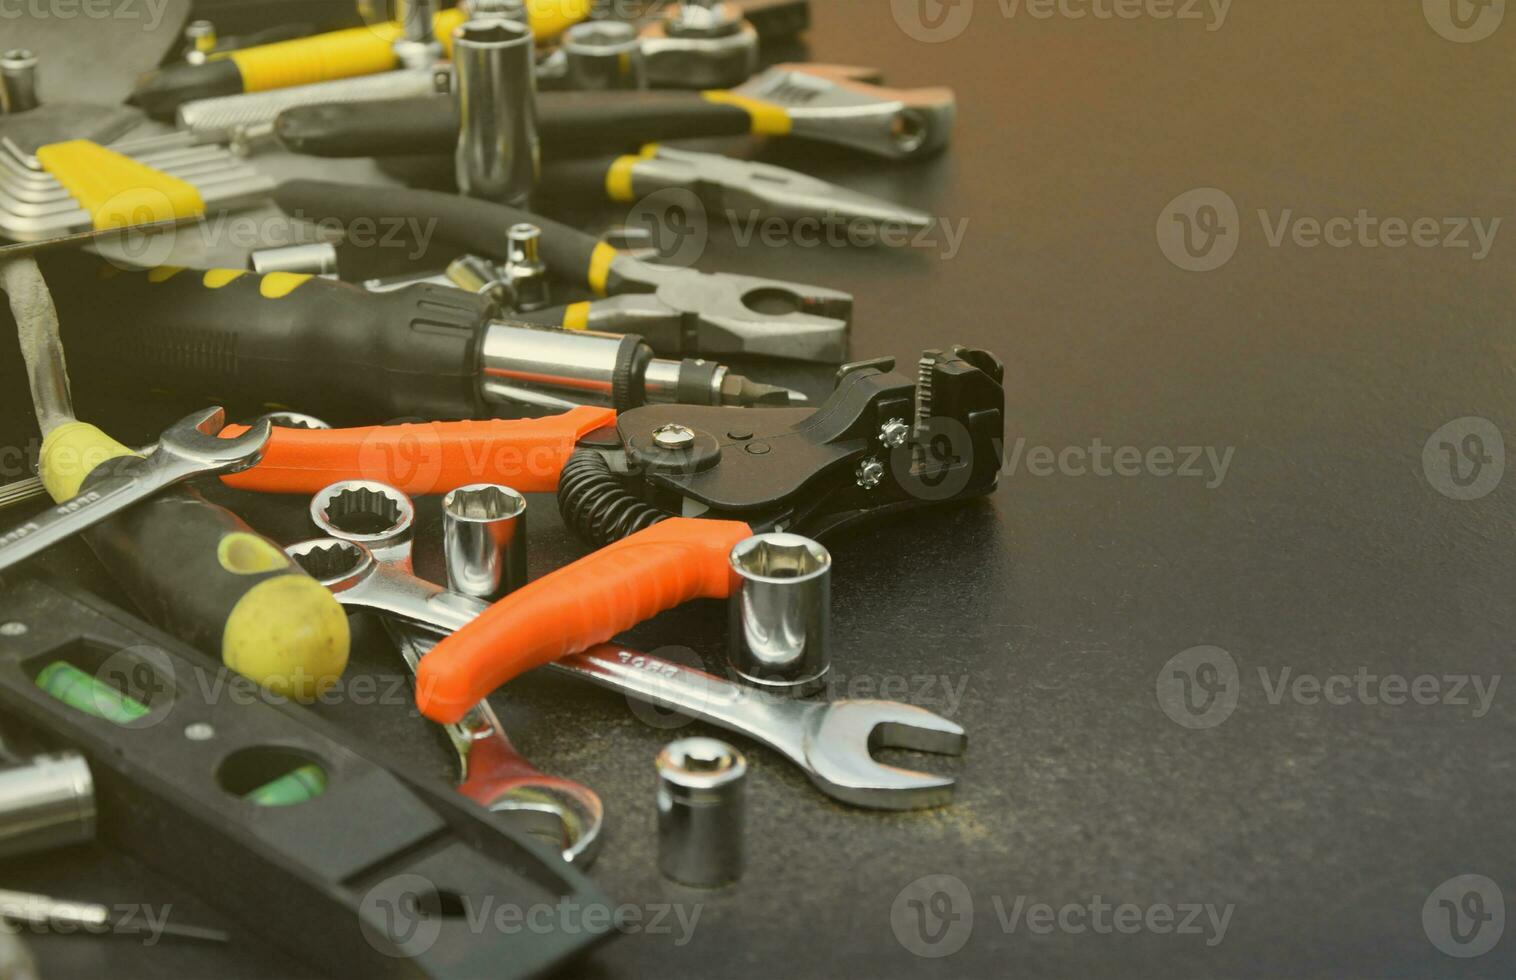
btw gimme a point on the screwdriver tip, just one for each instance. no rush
(738, 390)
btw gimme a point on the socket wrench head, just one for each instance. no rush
(781, 613)
(484, 540)
(702, 812)
(603, 55)
(499, 154)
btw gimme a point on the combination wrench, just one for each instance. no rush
(188, 448)
(491, 772)
(831, 742)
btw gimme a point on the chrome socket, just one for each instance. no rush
(319, 259)
(603, 55)
(780, 613)
(702, 812)
(45, 803)
(18, 81)
(484, 540)
(499, 154)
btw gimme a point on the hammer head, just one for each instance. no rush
(841, 736)
(194, 439)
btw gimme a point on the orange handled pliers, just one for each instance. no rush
(424, 457)
(665, 492)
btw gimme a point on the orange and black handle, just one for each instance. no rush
(577, 607)
(422, 458)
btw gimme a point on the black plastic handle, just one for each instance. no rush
(570, 124)
(478, 226)
(243, 339)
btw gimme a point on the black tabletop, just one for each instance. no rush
(1228, 640)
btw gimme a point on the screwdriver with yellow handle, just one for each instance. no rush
(325, 57)
(193, 568)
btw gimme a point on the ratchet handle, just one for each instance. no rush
(282, 338)
(479, 226)
(577, 607)
(423, 458)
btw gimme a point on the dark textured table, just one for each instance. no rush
(1231, 460)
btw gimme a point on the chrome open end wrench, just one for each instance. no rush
(831, 742)
(188, 448)
(491, 772)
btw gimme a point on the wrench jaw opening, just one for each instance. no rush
(195, 440)
(562, 813)
(839, 741)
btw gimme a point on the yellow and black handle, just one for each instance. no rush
(570, 124)
(248, 340)
(199, 572)
(320, 58)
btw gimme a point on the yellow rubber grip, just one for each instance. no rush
(576, 316)
(767, 119)
(117, 191)
(69, 453)
(618, 179)
(600, 267)
(289, 635)
(322, 58)
(552, 17)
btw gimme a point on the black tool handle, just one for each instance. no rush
(478, 226)
(570, 124)
(240, 338)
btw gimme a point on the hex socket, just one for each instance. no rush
(702, 812)
(18, 81)
(780, 613)
(45, 803)
(603, 55)
(484, 540)
(499, 153)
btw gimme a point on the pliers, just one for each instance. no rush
(677, 310)
(726, 184)
(664, 492)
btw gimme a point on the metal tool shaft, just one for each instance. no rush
(45, 803)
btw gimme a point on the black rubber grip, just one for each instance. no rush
(328, 347)
(159, 93)
(426, 124)
(569, 123)
(165, 554)
(777, 20)
(478, 226)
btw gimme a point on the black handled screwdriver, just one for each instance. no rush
(337, 349)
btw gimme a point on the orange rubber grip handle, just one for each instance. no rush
(577, 607)
(422, 458)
